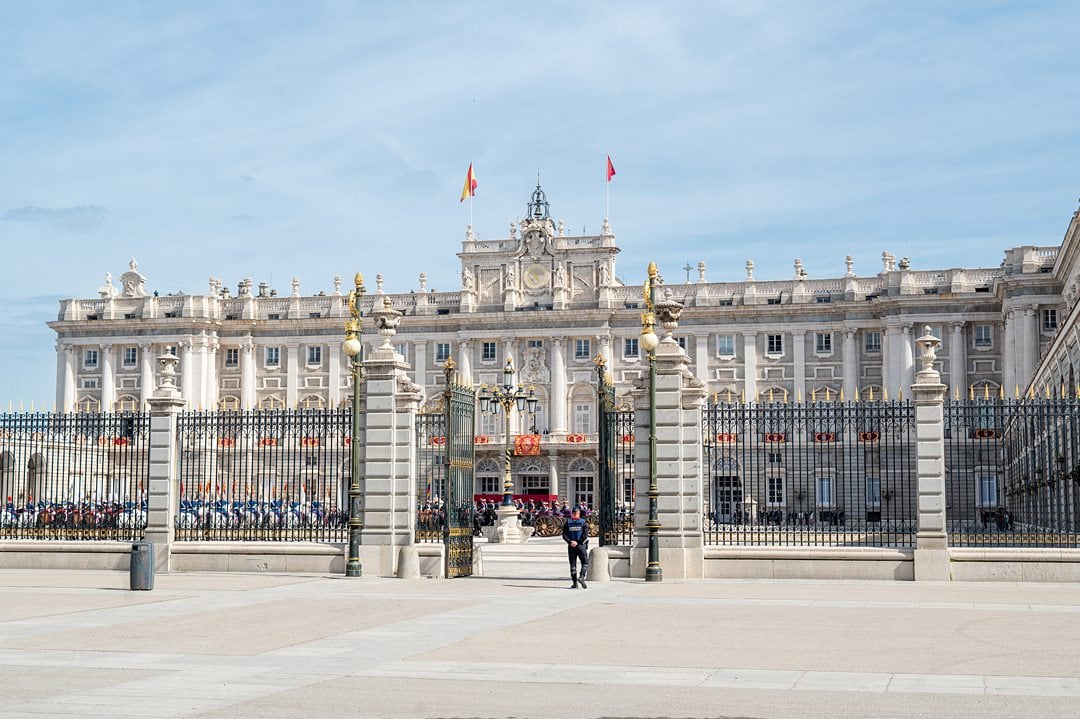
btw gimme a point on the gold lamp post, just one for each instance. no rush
(354, 349)
(649, 343)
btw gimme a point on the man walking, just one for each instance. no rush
(576, 535)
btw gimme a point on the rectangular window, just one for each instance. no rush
(131, 356)
(489, 351)
(531, 344)
(402, 349)
(776, 458)
(988, 491)
(442, 351)
(273, 356)
(583, 418)
(582, 349)
(314, 356)
(725, 345)
(90, 383)
(823, 342)
(490, 484)
(630, 347)
(583, 490)
(873, 491)
(536, 484)
(489, 424)
(823, 299)
(1049, 320)
(775, 345)
(776, 491)
(232, 356)
(983, 336)
(90, 358)
(682, 343)
(772, 301)
(873, 341)
(824, 491)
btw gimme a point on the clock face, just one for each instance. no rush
(536, 277)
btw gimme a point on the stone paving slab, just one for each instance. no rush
(282, 645)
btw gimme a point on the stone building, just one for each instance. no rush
(552, 302)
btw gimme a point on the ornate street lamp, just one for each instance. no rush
(354, 349)
(649, 342)
(507, 397)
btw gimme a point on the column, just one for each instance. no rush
(292, 375)
(558, 386)
(886, 355)
(907, 361)
(798, 353)
(1029, 352)
(931, 541)
(701, 357)
(58, 397)
(851, 365)
(420, 354)
(68, 399)
(390, 402)
(247, 375)
(958, 362)
(678, 461)
(1008, 355)
(604, 343)
(187, 373)
(333, 361)
(895, 350)
(146, 373)
(750, 387)
(210, 375)
(465, 372)
(108, 379)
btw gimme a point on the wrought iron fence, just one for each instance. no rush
(430, 476)
(1013, 472)
(279, 475)
(812, 474)
(73, 476)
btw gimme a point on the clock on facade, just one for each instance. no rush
(536, 276)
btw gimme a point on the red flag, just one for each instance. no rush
(470, 185)
(610, 169)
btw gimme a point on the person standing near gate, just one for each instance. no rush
(576, 535)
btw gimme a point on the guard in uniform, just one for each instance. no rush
(576, 535)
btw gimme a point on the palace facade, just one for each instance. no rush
(552, 302)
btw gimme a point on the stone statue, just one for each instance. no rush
(510, 284)
(562, 229)
(108, 290)
(849, 263)
(467, 281)
(337, 284)
(701, 272)
(295, 286)
(605, 275)
(800, 273)
(133, 283)
(749, 270)
(423, 282)
(560, 277)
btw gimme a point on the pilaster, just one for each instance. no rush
(750, 386)
(932, 541)
(558, 385)
(163, 480)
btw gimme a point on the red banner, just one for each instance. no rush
(575, 439)
(527, 445)
(226, 442)
(268, 442)
(482, 439)
(627, 439)
(824, 436)
(775, 437)
(725, 438)
(869, 436)
(438, 441)
(309, 441)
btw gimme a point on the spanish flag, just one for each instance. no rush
(470, 184)
(610, 169)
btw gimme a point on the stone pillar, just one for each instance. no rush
(420, 353)
(247, 375)
(388, 452)
(70, 356)
(750, 388)
(146, 373)
(851, 365)
(558, 385)
(604, 343)
(465, 361)
(292, 375)
(163, 481)
(932, 540)
(108, 378)
(907, 362)
(701, 357)
(1029, 351)
(679, 396)
(187, 372)
(958, 362)
(886, 355)
(798, 355)
(1008, 355)
(334, 353)
(895, 350)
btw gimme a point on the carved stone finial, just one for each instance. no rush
(423, 282)
(379, 284)
(749, 270)
(849, 264)
(386, 320)
(295, 286)
(337, 284)
(701, 272)
(243, 288)
(166, 386)
(800, 273)
(667, 313)
(928, 345)
(905, 263)
(513, 230)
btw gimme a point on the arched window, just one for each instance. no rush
(271, 402)
(36, 476)
(7, 461)
(312, 401)
(488, 476)
(534, 475)
(582, 465)
(88, 404)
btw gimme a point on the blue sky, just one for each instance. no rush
(272, 139)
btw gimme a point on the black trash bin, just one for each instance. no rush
(142, 566)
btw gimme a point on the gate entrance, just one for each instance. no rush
(460, 507)
(616, 455)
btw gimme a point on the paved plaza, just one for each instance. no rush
(518, 643)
